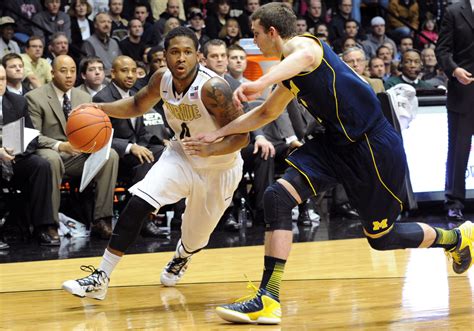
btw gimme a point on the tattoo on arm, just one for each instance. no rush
(219, 97)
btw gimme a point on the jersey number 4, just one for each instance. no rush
(184, 131)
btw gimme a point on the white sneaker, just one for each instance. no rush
(174, 270)
(93, 286)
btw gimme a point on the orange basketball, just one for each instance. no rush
(88, 129)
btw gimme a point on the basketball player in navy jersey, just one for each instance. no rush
(359, 149)
(194, 100)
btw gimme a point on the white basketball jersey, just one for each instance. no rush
(187, 116)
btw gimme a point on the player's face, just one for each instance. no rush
(64, 73)
(124, 73)
(262, 39)
(181, 58)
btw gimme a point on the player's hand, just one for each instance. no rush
(197, 147)
(293, 145)
(85, 105)
(208, 137)
(267, 148)
(246, 92)
(142, 153)
(6, 154)
(463, 76)
(66, 147)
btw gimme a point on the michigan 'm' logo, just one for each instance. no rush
(378, 225)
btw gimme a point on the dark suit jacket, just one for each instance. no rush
(455, 48)
(124, 132)
(14, 107)
(76, 35)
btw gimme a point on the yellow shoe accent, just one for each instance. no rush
(463, 252)
(263, 308)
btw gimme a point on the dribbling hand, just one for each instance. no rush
(195, 147)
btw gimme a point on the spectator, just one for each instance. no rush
(142, 14)
(339, 19)
(49, 107)
(406, 43)
(377, 38)
(384, 53)
(14, 68)
(237, 62)
(351, 30)
(133, 45)
(315, 14)
(405, 9)
(51, 20)
(119, 24)
(356, 5)
(377, 68)
(230, 32)
(93, 75)
(216, 18)
(244, 18)
(429, 30)
(22, 11)
(37, 69)
(349, 42)
(431, 72)
(81, 27)
(30, 173)
(58, 45)
(100, 44)
(196, 23)
(355, 58)
(321, 29)
(301, 25)
(410, 67)
(172, 10)
(7, 30)
(159, 6)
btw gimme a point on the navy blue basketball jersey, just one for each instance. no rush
(342, 101)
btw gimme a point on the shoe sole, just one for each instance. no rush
(236, 317)
(168, 282)
(80, 293)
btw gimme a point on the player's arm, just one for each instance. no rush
(138, 104)
(216, 95)
(254, 119)
(301, 54)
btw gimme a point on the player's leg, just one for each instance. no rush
(167, 182)
(211, 194)
(279, 200)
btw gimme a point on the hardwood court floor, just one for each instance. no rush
(336, 285)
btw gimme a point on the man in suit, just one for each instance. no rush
(49, 107)
(130, 139)
(455, 53)
(14, 67)
(27, 171)
(93, 75)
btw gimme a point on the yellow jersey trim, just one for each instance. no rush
(378, 174)
(378, 235)
(302, 172)
(321, 45)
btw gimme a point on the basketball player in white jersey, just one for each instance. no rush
(195, 100)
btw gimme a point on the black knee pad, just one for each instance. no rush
(402, 235)
(130, 223)
(278, 203)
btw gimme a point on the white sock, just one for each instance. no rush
(180, 251)
(108, 263)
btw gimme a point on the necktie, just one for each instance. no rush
(66, 106)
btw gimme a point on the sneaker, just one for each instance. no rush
(262, 308)
(174, 270)
(462, 253)
(455, 215)
(93, 286)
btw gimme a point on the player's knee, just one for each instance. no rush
(402, 235)
(278, 203)
(380, 244)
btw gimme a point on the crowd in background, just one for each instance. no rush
(57, 54)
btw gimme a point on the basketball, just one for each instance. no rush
(88, 129)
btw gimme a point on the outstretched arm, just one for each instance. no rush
(256, 118)
(136, 105)
(301, 54)
(217, 97)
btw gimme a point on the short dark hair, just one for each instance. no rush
(278, 15)
(235, 47)
(351, 20)
(85, 62)
(372, 59)
(181, 31)
(153, 50)
(10, 56)
(33, 38)
(212, 42)
(380, 47)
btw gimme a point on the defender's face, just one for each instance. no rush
(181, 57)
(262, 39)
